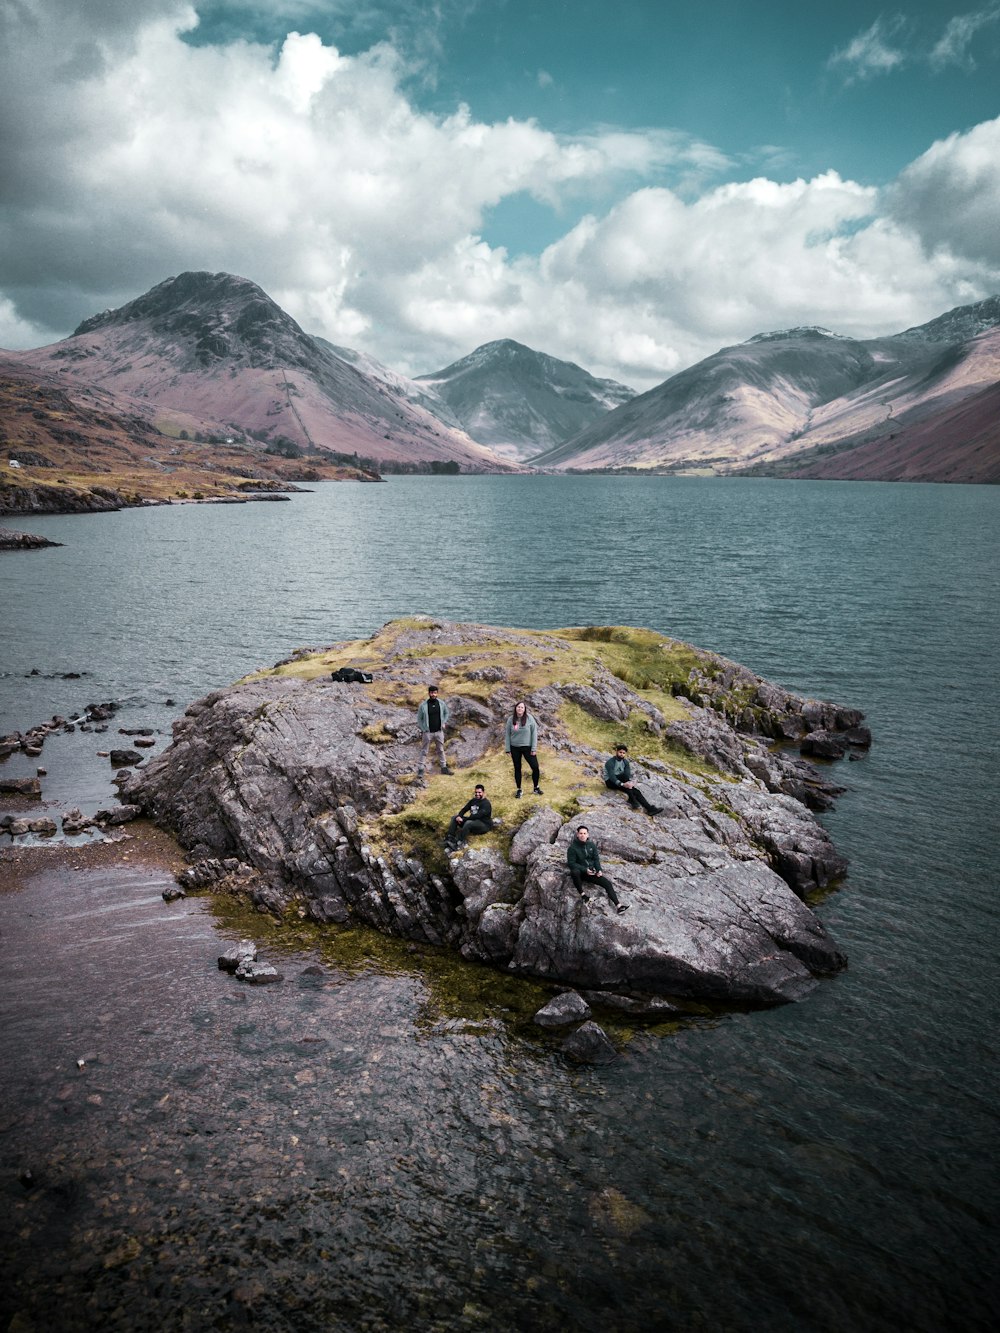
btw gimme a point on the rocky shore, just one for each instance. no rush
(302, 793)
(23, 541)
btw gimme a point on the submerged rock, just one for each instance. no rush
(305, 789)
(589, 1045)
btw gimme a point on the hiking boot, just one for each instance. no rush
(623, 907)
(655, 810)
(537, 791)
(585, 897)
(517, 794)
(446, 769)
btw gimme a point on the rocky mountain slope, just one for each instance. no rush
(216, 348)
(66, 448)
(519, 401)
(302, 792)
(759, 404)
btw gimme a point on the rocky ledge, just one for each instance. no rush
(309, 786)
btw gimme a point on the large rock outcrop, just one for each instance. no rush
(312, 783)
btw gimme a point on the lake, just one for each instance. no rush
(395, 1145)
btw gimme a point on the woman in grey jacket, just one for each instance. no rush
(521, 742)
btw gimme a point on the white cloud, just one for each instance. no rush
(135, 155)
(950, 196)
(873, 51)
(952, 48)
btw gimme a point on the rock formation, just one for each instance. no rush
(308, 787)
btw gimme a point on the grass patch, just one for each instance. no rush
(421, 827)
(636, 733)
(641, 658)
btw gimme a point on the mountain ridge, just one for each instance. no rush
(217, 348)
(757, 404)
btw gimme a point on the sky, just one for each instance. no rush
(629, 185)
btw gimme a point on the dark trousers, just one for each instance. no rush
(581, 881)
(519, 752)
(459, 832)
(635, 797)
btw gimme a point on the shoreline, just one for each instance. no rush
(143, 844)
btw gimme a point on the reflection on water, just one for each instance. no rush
(390, 1143)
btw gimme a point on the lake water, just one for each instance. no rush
(395, 1146)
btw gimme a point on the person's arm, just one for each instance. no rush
(422, 720)
(609, 772)
(597, 859)
(573, 857)
(486, 812)
(533, 735)
(444, 715)
(507, 740)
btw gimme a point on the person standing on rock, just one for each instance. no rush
(521, 742)
(432, 718)
(618, 777)
(584, 861)
(475, 816)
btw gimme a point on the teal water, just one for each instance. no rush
(824, 1166)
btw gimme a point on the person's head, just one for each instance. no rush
(480, 791)
(432, 691)
(582, 833)
(621, 751)
(520, 711)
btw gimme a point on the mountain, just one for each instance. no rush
(518, 401)
(759, 404)
(958, 443)
(66, 447)
(218, 350)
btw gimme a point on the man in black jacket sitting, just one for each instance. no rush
(618, 777)
(475, 816)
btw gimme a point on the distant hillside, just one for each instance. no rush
(215, 348)
(67, 447)
(760, 404)
(957, 444)
(519, 401)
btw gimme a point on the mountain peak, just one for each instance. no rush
(186, 290)
(811, 331)
(212, 317)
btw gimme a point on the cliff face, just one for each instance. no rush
(313, 784)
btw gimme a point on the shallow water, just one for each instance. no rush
(822, 1166)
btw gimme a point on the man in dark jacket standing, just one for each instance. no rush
(584, 861)
(618, 776)
(432, 718)
(475, 816)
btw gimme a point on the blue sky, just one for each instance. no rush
(628, 185)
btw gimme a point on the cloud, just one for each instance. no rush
(950, 196)
(135, 154)
(892, 43)
(952, 47)
(872, 52)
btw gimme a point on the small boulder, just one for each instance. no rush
(561, 1010)
(258, 974)
(20, 787)
(540, 828)
(124, 758)
(122, 814)
(825, 744)
(172, 894)
(244, 952)
(589, 1045)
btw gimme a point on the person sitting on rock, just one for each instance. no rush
(618, 776)
(432, 718)
(584, 861)
(475, 816)
(521, 742)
